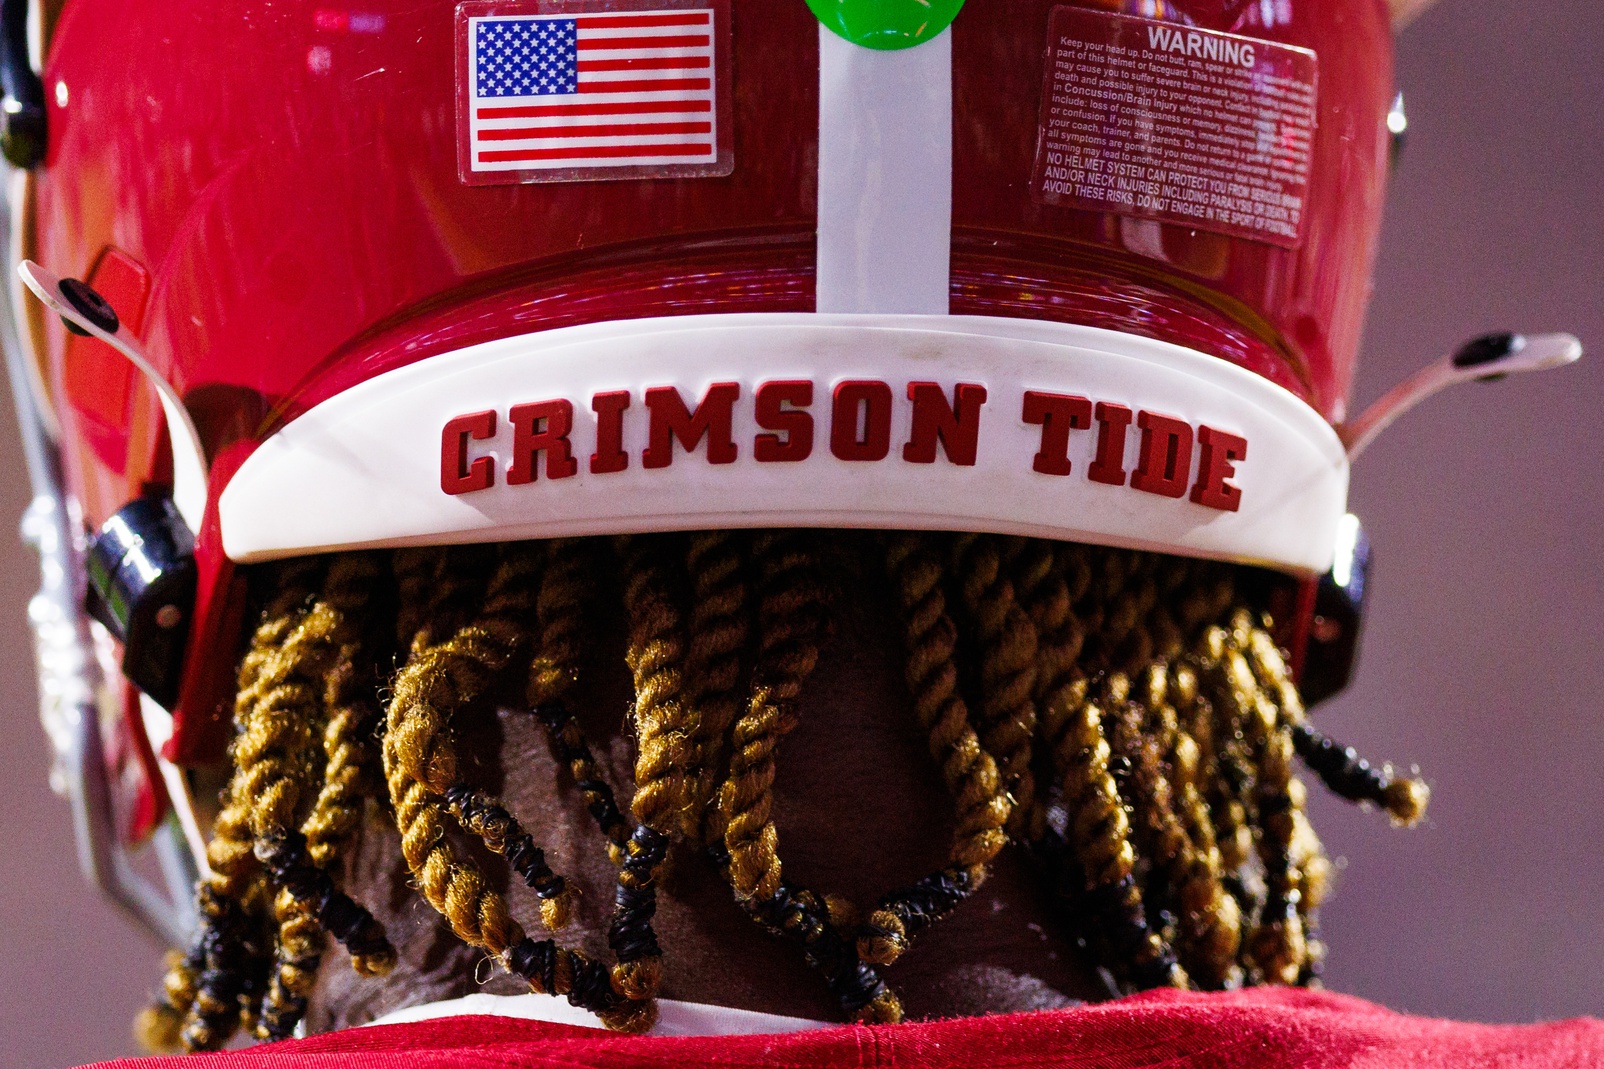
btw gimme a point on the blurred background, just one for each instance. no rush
(1482, 662)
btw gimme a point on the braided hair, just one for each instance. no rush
(1124, 719)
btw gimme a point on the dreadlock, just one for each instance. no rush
(1124, 718)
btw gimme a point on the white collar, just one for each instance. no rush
(673, 1018)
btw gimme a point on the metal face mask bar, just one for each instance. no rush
(73, 686)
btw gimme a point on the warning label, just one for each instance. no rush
(1162, 121)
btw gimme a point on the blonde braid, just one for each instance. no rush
(1210, 923)
(159, 1027)
(1211, 916)
(1308, 866)
(1100, 835)
(272, 751)
(656, 656)
(437, 682)
(439, 588)
(203, 992)
(560, 609)
(277, 739)
(1124, 642)
(567, 586)
(349, 758)
(968, 768)
(1344, 772)
(664, 727)
(1222, 731)
(719, 628)
(350, 715)
(791, 623)
(1039, 575)
(299, 950)
(1008, 664)
(1148, 747)
(512, 599)
(1042, 572)
(420, 763)
(294, 584)
(1276, 947)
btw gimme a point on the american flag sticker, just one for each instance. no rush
(569, 93)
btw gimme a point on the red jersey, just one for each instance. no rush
(1264, 1027)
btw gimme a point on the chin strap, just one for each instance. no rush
(1484, 359)
(86, 313)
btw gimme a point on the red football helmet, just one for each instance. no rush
(1085, 269)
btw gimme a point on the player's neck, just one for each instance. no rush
(860, 811)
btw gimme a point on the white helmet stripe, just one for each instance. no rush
(885, 177)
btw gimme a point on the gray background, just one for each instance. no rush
(1486, 509)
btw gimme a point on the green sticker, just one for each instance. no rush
(886, 24)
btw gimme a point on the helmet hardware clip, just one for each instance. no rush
(22, 92)
(88, 302)
(142, 576)
(1337, 619)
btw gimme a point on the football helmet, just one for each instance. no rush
(312, 277)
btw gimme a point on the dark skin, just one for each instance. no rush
(860, 810)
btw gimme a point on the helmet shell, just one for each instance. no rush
(270, 194)
(285, 178)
